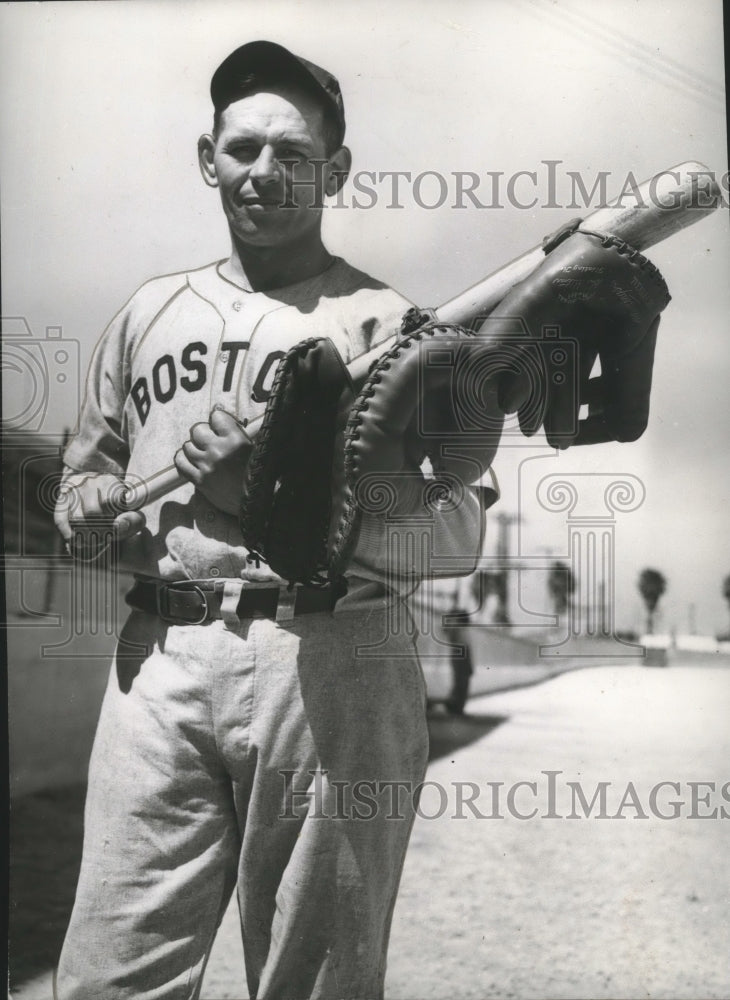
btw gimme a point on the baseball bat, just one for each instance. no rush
(667, 203)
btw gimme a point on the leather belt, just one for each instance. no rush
(199, 602)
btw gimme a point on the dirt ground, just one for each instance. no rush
(542, 907)
(509, 908)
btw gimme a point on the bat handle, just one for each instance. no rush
(136, 495)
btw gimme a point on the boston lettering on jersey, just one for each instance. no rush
(191, 374)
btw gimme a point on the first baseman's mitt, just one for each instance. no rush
(300, 511)
(287, 497)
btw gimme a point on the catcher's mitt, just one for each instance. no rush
(593, 297)
(421, 401)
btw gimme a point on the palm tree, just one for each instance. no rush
(561, 584)
(726, 595)
(652, 585)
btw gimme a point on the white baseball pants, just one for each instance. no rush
(276, 760)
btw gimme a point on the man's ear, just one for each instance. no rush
(206, 162)
(338, 170)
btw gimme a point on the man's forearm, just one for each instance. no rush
(417, 539)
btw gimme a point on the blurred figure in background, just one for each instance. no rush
(466, 601)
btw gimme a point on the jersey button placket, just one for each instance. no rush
(230, 361)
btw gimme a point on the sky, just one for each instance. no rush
(101, 108)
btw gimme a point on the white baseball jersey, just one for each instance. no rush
(185, 342)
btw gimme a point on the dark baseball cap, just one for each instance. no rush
(273, 63)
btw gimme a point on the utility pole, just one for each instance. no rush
(692, 618)
(501, 574)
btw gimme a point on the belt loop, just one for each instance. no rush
(161, 602)
(285, 605)
(229, 604)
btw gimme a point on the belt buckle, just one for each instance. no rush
(164, 612)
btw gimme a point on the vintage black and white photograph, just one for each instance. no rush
(365, 497)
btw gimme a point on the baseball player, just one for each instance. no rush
(259, 741)
(256, 735)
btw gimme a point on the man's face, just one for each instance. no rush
(250, 162)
